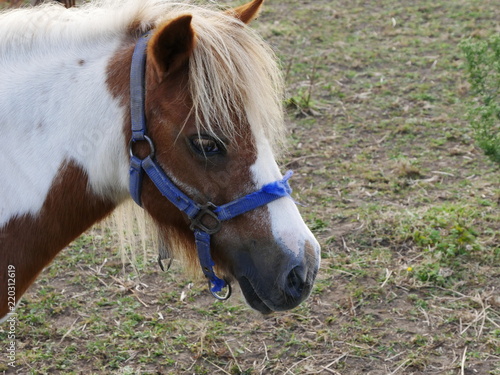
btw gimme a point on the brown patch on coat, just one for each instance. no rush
(30, 243)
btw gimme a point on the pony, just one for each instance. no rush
(178, 105)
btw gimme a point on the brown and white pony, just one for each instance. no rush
(213, 109)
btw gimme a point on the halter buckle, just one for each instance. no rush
(206, 210)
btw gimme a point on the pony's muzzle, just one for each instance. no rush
(279, 283)
(298, 283)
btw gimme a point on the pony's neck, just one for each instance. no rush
(64, 157)
(56, 112)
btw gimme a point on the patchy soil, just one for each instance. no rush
(405, 206)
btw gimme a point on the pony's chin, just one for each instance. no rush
(252, 297)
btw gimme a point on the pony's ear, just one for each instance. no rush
(171, 45)
(248, 12)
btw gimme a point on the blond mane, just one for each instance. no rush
(232, 68)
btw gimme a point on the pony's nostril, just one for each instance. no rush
(295, 282)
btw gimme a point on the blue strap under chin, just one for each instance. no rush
(194, 211)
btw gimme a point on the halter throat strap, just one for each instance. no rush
(206, 219)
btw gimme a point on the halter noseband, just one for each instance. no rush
(194, 211)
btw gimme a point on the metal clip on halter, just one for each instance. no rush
(221, 297)
(150, 144)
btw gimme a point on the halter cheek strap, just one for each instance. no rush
(197, 213)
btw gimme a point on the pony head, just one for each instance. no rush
(213, 95)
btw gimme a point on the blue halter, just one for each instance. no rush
(194, 211)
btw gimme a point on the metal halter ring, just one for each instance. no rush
(147, 139)
(221, 297)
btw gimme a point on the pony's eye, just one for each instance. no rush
(206, 145)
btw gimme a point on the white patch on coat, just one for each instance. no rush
(55, 107)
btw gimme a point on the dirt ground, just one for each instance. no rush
(404, 204)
